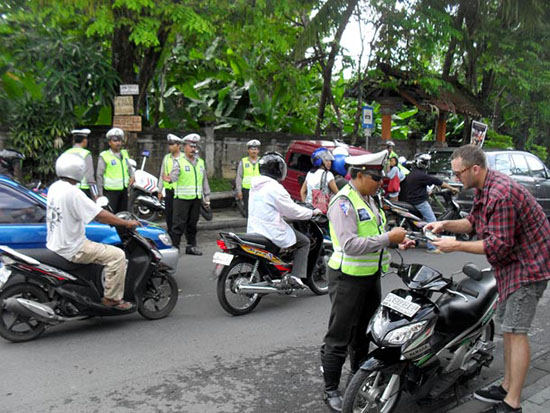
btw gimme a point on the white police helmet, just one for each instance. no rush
(340, 150)
(70, 165)
(253, 143)
(173, 138)
(115, 133)
(192, 138)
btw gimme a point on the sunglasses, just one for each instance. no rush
(375, 178)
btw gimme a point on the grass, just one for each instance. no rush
(219, 184)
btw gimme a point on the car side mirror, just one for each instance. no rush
(472, 271)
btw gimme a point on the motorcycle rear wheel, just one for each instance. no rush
(364, 391)
(318, 279)
(232, 275)
(159, 297)
(141, 211)
(18, 328)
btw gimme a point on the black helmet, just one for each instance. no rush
(273, 164)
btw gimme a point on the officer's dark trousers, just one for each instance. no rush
(186, 216)
(169, 209)
(118, 200)
(354, 301)
(246, 195)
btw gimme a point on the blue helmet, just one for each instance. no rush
(339, 165)
(319, 155)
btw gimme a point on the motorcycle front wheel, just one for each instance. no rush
(159, 296)
(365, 390)
(238, 272)
(139, 210)
(15, 327)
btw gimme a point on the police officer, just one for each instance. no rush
(80, 145)
(114, 172)
(247, 169)
(360, 257)
(174, 143)
(191, 185)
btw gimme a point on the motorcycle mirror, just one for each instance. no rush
(132, 162)
(102, 201)
(472, 271)
(146, 153)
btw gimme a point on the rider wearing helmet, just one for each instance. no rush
(80, 143)
(68, 212)
(247, 169)
(114, 172)
(10, 163)
(319, 177)
(269, 204)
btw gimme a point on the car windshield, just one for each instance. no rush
(440, 163)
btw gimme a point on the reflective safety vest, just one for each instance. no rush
(367, 226)
(250, 170)
(168, 164)
(83, 153)
(116, 176)
(189, 183)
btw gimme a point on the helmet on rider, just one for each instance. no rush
(390, 144)
(115, 134)
(71, 166)
(319, 156)
(273, 164)
(422, 161)
(254, 143)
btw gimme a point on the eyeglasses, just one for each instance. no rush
(458, 173)
(375, 178)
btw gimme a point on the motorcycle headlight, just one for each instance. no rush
(403, 334)
(165, 239)
(377, 325)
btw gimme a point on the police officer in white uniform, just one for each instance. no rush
(248, 168)
(164, 182)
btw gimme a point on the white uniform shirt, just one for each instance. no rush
(69, 210)
(268, 204)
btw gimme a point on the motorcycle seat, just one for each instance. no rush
(260, 240)
(408, 207)
(52, 259)
(456, 314)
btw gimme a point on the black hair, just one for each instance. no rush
(78, 138)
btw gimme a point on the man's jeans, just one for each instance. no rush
(426, 210)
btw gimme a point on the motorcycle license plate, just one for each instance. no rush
(222, 258)
(400, 305)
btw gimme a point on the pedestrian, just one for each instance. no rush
(319, 180)
(390, 147)
(360, 257)
(514, 234)
(416, 193)
(247, 169)
(80, 147)
(114, 173)
(191, 186)
(164, 182)
(396, 177)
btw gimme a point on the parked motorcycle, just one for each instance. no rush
(424, 345)
(40, 289)
(251, 266)
(402, 214)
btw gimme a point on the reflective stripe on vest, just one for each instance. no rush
(82, 153)
(189, 183)
(116, 176)
(250, 170)
(367, 226)
(168, 163)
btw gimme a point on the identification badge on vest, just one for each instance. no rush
(113, 162)
(187, 169)
(363, 215)
(247, 165)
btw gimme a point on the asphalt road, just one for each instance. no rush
(199, 359)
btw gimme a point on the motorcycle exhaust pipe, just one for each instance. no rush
(29, 308)
(150, 202)
(257, 289)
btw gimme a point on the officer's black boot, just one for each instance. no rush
(331, 395)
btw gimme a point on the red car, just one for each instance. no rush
(298, 159)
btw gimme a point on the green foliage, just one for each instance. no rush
(495, 140)
(219, 184)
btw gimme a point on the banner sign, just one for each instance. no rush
(478, 133)
(127, 123)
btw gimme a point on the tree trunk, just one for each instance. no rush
(452, 45)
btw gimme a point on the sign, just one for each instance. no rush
(368, 117)
(127, 123)
(478, 133)
(129, 89)
(124, 105)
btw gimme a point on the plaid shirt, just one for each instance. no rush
(514, 230)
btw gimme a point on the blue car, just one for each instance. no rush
(23, 223)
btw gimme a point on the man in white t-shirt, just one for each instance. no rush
(68, 212)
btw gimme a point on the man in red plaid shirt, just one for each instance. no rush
(514, 233)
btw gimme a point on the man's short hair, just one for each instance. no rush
(470, 155)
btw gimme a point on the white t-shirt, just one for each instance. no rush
(313, 181)
(69, 210)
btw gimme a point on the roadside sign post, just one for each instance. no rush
(368, 123)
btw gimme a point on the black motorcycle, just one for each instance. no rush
(425, 346)
(251, 266)
(39, 288)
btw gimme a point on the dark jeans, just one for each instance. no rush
(299, 266)
(186, 215)
(118, 200)
(246, 195)
(354, 301)
(169, 209)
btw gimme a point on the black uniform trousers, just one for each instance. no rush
(186, 215)
(118, 200)
(246, 195)
(354, 300)
(169, 209)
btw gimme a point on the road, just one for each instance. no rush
(197, 360)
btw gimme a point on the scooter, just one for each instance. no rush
(251, 266)
(40, 289)
(425, 346)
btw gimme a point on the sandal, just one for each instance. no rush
(118, 304)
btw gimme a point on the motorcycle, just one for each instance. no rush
(251, 266)
(40, 289)
(402, 214)
(144, 200)
(425, 346)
